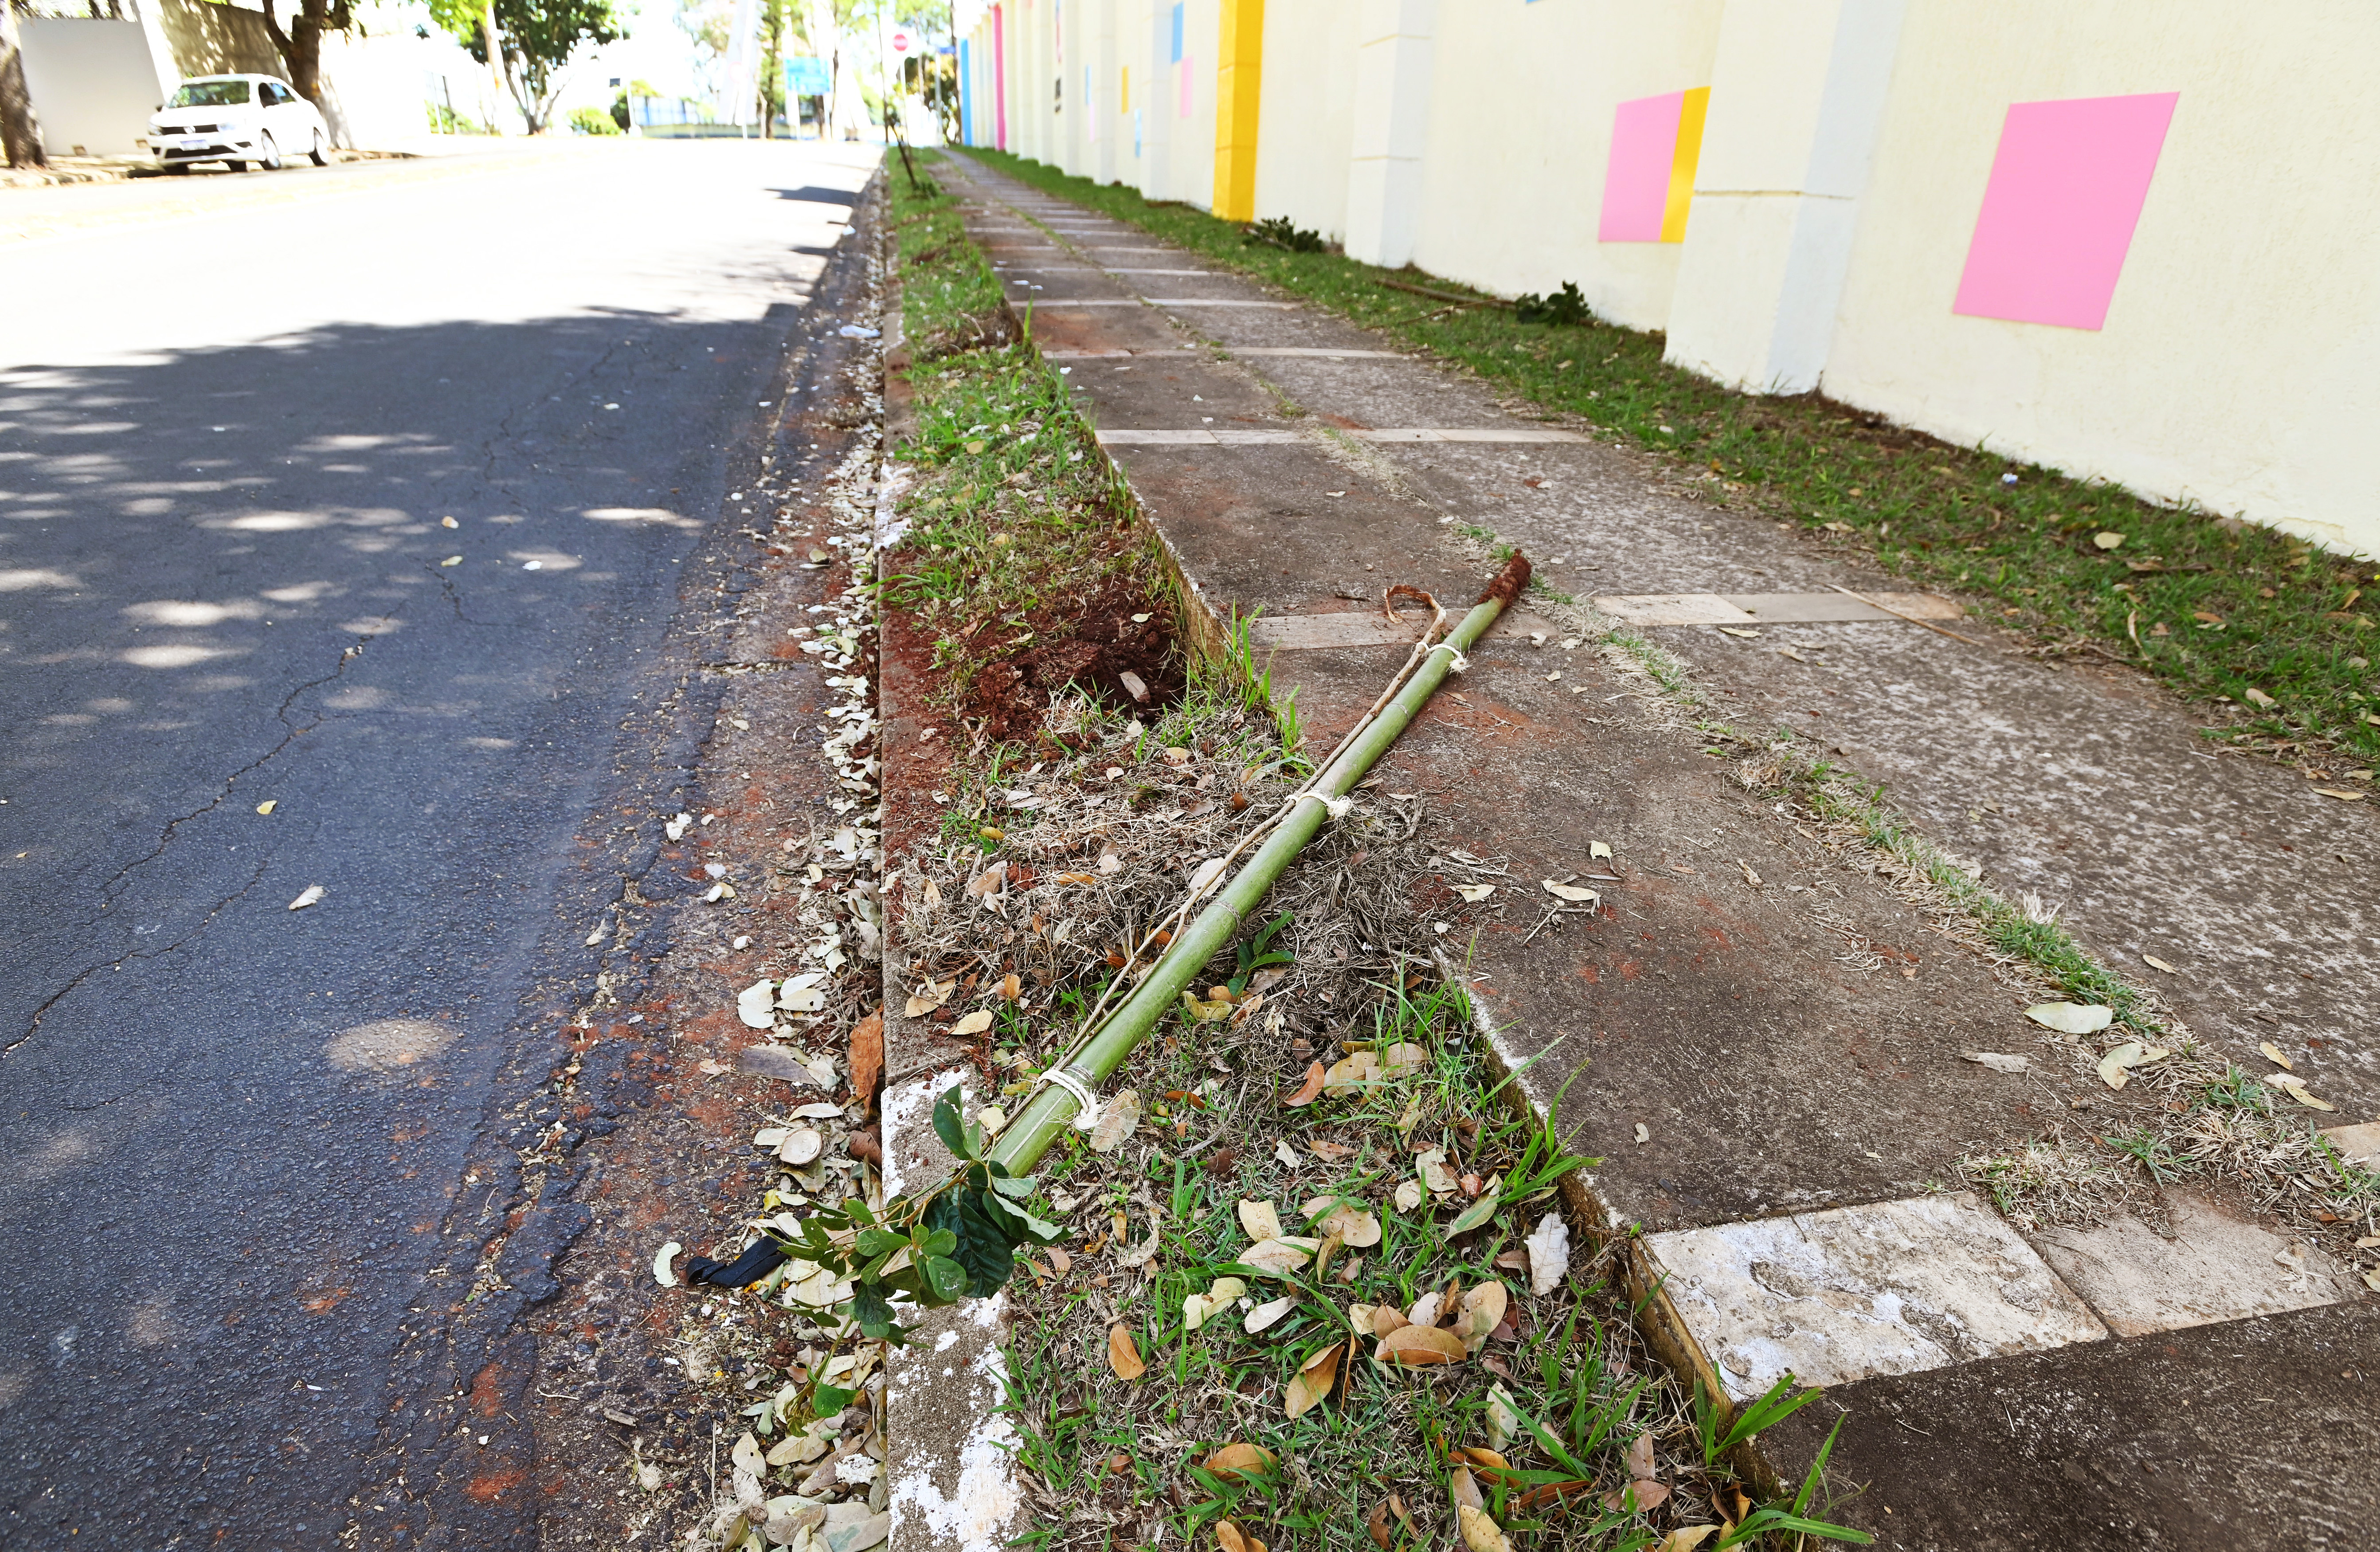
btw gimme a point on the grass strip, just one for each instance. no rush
(2272, 635)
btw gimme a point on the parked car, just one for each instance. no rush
(240, 121)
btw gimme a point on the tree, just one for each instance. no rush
(709, 23)
(622, 114)
(778, 21)
(301, 46)
(20, 128)
(535, 39)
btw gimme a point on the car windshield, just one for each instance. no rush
(210, 94)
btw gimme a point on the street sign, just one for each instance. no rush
(807, 75)
(901, 42)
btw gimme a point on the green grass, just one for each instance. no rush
(2293, 622)
(1014, 511)
(1579, 1386)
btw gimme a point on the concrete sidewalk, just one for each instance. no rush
(1766, 1032)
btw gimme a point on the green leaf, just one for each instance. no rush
(979, 1245)
(939, 1241)
(826, 1400)
(872, 1312)
(947, 1278)
(947, 1125)
(1472, 1215)
(1018, 1188)
(879, 1242)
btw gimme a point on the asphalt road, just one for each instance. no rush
(230, 432)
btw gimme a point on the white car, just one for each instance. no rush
(240, 121)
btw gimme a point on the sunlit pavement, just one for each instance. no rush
(235, 413)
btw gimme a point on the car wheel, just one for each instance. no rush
(180, 169)
(318, 156)
(271, 160)
(234, 166)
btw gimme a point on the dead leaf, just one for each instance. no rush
(1408, 1195)
(973, 1024)
(1643, 1133)
(1268, 1315)
(2115, 1068)
(1640, 1497)
(1464, 1490)
(1260, 1220)
(1345, 1220)
(268, 805)
(986, 884)
(2107, 541)
(2272, 1054)
(1237, 1462)
(311, 893)
(1279, 1257)
(1199, 1308)
(1749, 876)
(2071, 1018)
(1060, 1260)
(1597, 849)
(1482, 1311)
(1419, 1344)
(867, 1056)
(1309, 1090)
(1402, 1057)
(1685, 1538)
(924, 1000)
(1998, 1062)
(1479, 1533)
(2153, 963)
(1123, 1357)
(1357, 1071)
(1230, 1538)
(1117, 1120)
(2326, 791)
(1314, 1377)
(661, 1259)
(755, 1005)
(1286, 1154)
(2294, 1086)
(1503, 1417)
(802, 1145)
(1376, 1522)
(1009, 987)
(1475, 893)
(1738, 630)
(1430, 1164)
(1331, 1151)
(1548, 1255)
(1385, 1319)
(1572, 893)
(1213, 1012)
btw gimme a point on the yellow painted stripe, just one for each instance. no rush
(1126, 92)
(1239, 46)
(1682, 163)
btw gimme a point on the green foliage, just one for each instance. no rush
(538, 38)
(956, 1241)
(1257, 952)
(1565, 307)
(1283, 233)
(594, 121)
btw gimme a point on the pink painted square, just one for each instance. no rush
(2066, 190)
(1636, 174)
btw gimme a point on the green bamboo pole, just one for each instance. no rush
(1046, 1115)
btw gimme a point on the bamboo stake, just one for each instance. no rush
(1051, 1107)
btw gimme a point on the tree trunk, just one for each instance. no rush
(20, 128)
(495, 67)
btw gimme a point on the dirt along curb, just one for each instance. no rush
(592, 1392)
(1758, 1000)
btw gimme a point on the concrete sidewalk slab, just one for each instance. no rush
(1767, 1027)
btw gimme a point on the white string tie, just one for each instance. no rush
(1086, 1112)
(1460, 663)
(1337, 808)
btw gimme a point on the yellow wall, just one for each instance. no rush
(1239, 85)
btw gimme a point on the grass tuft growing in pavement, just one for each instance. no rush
(2223, 611)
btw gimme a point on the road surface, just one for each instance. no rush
(246, 656)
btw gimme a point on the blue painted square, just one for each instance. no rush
(1177, 35)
